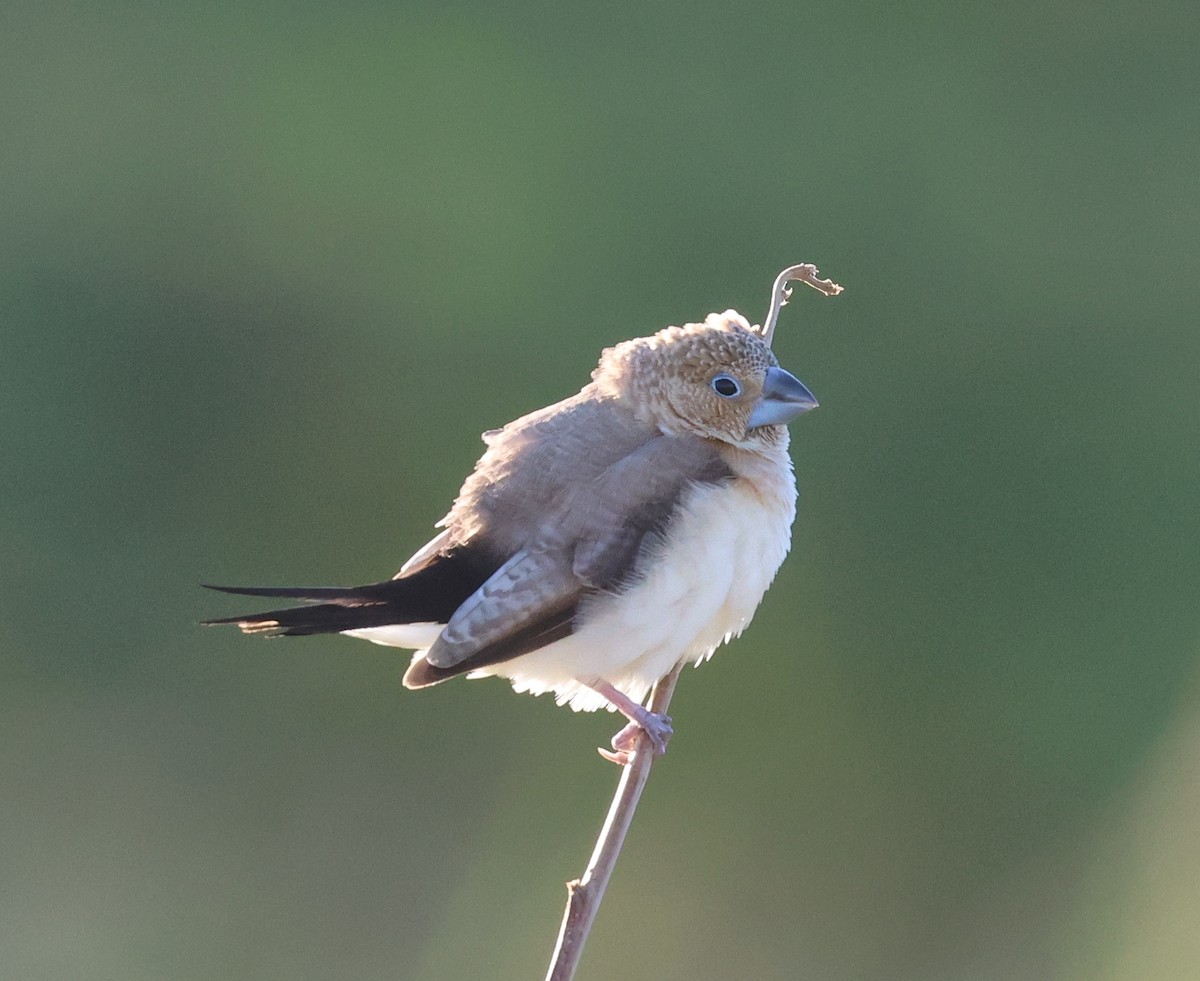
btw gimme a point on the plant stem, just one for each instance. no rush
(585, 894)
(806, 273)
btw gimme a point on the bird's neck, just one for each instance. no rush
(765, 466)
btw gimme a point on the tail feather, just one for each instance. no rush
(302, 621)
(338, 595)
(429, 595)
(339, 608)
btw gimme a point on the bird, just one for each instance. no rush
(599, 542)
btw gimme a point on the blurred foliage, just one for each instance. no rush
(269, 269)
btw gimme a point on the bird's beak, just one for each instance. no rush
(784, 397)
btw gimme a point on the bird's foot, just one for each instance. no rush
(657, 728)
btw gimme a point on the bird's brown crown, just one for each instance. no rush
(701, 379)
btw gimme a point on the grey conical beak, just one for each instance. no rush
(783, 398)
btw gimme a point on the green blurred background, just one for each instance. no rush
(268, 270)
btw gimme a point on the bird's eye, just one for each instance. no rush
(726, 387)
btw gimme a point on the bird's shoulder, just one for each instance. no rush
(578, 472)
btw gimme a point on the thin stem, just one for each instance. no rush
(806, 273)
(585, 894)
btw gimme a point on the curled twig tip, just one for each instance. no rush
(804, 272)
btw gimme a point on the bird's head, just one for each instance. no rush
(718, 379)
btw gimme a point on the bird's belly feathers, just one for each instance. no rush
(696, 588)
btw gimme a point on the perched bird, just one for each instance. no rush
(601, 541)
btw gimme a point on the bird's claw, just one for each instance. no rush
(621, 758)
(656, 728)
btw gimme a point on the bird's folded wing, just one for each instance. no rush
(634, 499)
(530, 587)
(592, 542)
(565, 498)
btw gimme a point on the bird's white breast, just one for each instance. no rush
(700, 586)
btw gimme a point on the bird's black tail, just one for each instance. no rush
(429, 595)
(331, 609)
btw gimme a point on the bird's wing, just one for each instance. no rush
(543, 475)
(530, 587)
(634, 499)
(570, 496)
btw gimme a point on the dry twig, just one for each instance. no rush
(805, 273)
(585, 893)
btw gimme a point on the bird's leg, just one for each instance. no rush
(656, 727)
